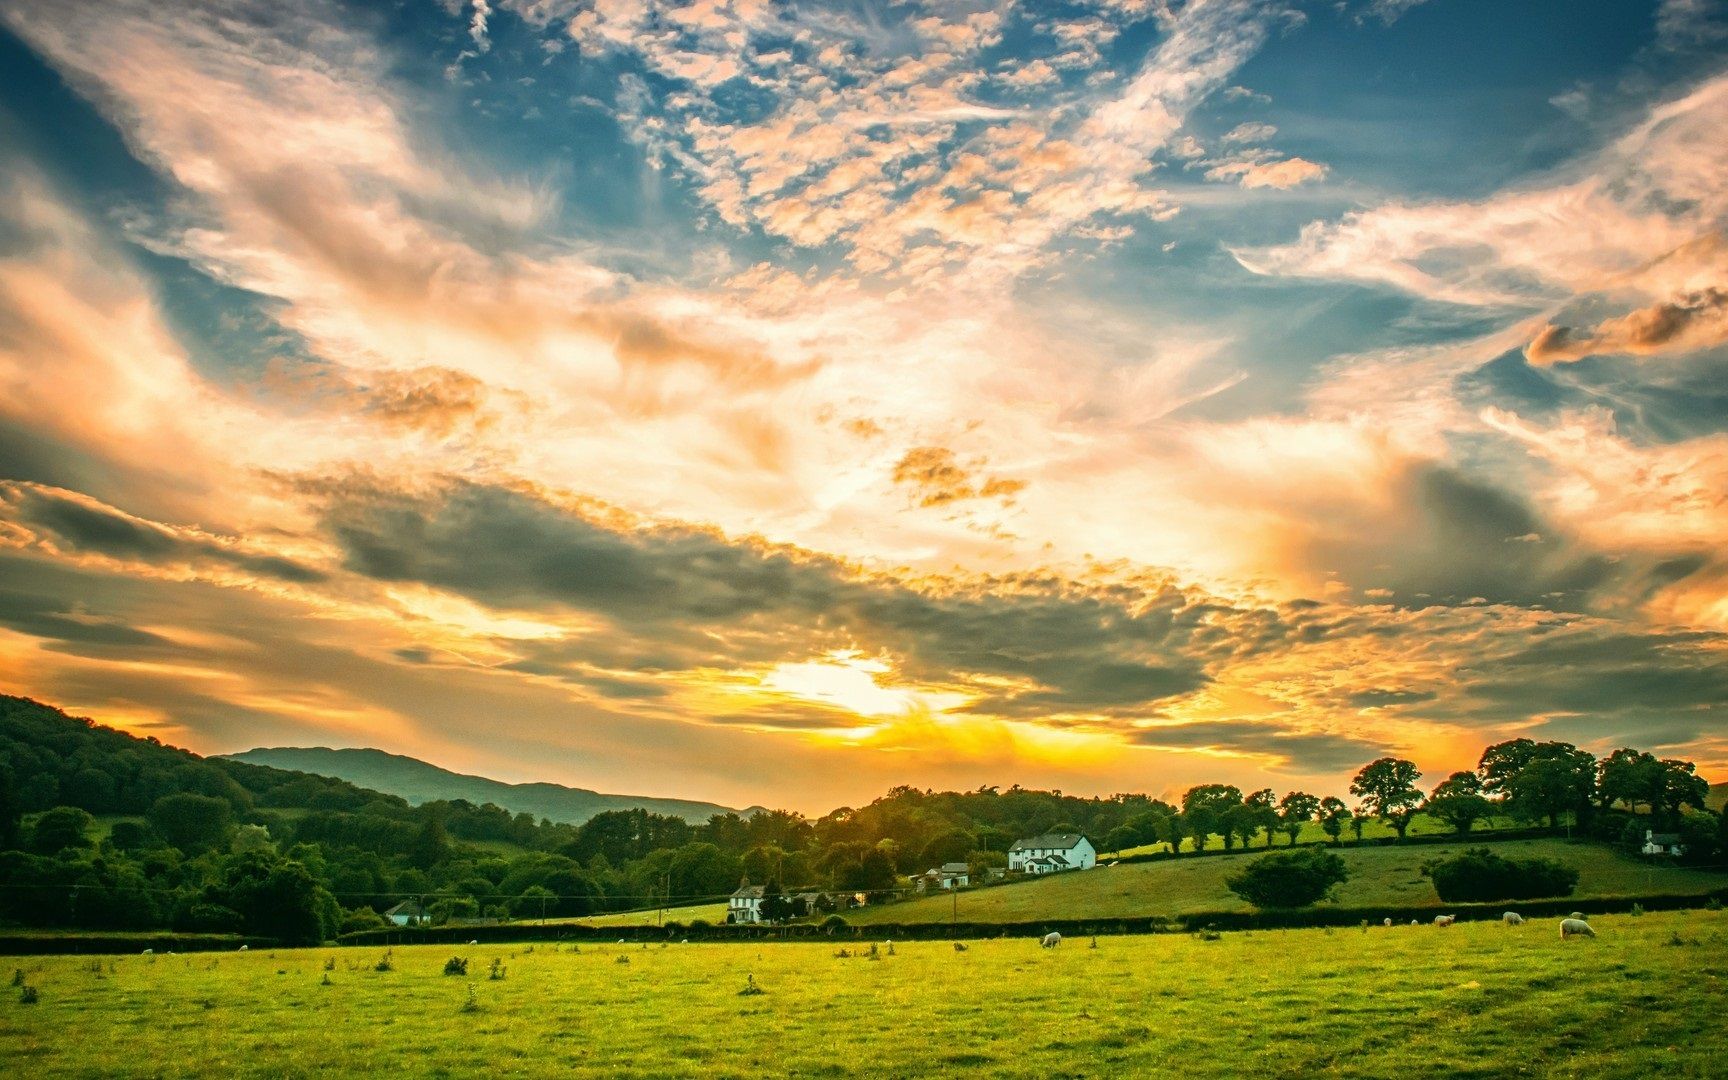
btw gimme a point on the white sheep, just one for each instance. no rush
(245, 948)
(1387, 922)
(1445, 920)
(473, 941)
(1575, 928)
(148, 952)
(1512, 918)
(1051, 940)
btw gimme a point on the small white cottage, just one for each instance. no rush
(1662, 843)
(1052, 852)
(407, 913)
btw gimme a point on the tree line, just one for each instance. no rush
(99, 829)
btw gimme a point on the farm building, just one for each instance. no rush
(1052, 852)
(953, 875)
(745, 903)
(407, 913)
(1662, 843)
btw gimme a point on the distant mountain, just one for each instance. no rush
(420, 782)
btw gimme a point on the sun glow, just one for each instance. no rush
(847, 679)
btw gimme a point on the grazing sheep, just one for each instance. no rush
(1445, 920)
(245, 948)
(685, 941)
(1575, 928)
(1512, 918)
(1051, 940)
(149, 952)
(472, 941)
(1388, 922)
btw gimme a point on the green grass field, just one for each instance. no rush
(1312, 833)
(1476, 1000)
(1389, 876)
(713, 913)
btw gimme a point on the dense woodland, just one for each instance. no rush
(101, 830)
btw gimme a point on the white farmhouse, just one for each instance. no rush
(407, 913)
(745, 904)
(1657, 843)
(1052, 852)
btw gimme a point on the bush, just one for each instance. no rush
(834, 922)
(1480, 876)
(456, 965)
(1289, 879)
(362, 918)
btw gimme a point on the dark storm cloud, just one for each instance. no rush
(1300, 752)
(84, 525)
(68, 630)
(697, 598)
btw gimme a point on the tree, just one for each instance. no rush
(1479, 875)
(1288, 879)
(1678, 785)
(1240, 821)
(277, 898)
(1296, 810)
(1387, 788)
(776, 905)
(950, 845)
(1459, 802)
(1263, 812)
(60, 828)
(1333, 815)
(1121, 838)
(1172, 830)
(1204, 810)
(431, 845)
(192, 823)
(1628, 777)
(1557, 778)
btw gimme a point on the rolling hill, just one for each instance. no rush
(1388, 875)
(421, 782)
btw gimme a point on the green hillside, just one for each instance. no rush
(1380, 875)
(420, 782)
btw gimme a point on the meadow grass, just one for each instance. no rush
(1388, 876)
(1474, 1000)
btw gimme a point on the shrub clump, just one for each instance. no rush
(1289, 879)
(456, 965)
(834, 922)
(1480, 876)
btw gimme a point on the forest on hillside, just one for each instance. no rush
(102, 830)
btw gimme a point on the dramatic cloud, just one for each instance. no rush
(810, 398)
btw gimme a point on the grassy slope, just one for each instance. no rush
(1312, 833)
(1642, 999)
(1379, 876)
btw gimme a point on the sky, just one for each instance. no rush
(775, 402)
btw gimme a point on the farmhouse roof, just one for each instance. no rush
(956, 868)
(749, 892)
(408, 908)
(1058, 841)
(1666, 839)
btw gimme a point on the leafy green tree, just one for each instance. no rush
(1480, 875)
(193, 823)
(1459, 802)
(1296, 810)
(60, 828)
(1540, 780)
(1121, 838)
(950, 845)
(277, 898)
(1263, 811)
(535, 902)
(1627, 777)
(1678, 786)
(431, 845)
(1387, 788)
(1204, 809)
(776, 905)
(1289, 879)
(1240, 822)
(11, 808)
(1172, 830)
(1333, 816)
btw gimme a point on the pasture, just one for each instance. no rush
(1388, 876)
(1475, 1000)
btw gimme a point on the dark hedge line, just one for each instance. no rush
(123, 944)
(1152, 924)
